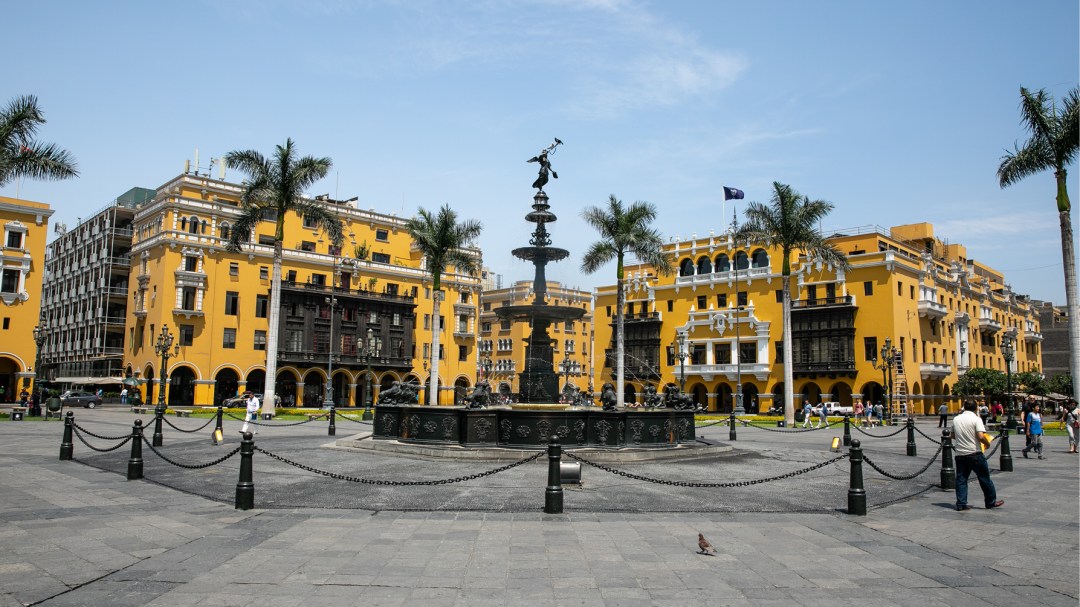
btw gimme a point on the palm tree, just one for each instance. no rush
(790, 224)
(1054, 137)
(20, 155)
(623, 230)
(274, 187)
(442, 242)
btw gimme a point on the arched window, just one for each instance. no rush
(183, 224)
(741, 261)
(723, 264)
(760, 259)
(193, 225)
(704, 265)
(202, 227)
(686, 268)
(225, 231)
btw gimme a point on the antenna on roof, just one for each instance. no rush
(196, 162)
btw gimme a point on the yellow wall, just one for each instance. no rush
(928, 304)
(162, 241)
(20, 308)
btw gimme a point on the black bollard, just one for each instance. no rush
(856, 495)
(731, 426)
(245, 488)
(220, 413)
(948, 468)
(67, 448)
(553, 493)
(332, 430)
(159, 412)
(1005, 460)
(135, 462)
(847, 430)
(911, 436)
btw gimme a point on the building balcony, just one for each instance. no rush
(828, 368)
(962, 318)
(1033, 336)
(820, 302)
(139, 314)
(119, 261)
(114, 320)
(730, 371)
(929, 308)
(639, 317)
(464, 335)
(989, 324)
(114, 291)
(186, 313)
(935, 370)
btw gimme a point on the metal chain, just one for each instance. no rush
(784, 430)
(891, 434)
(166, 420)
(710, 424)
(706, 485)
(994, 449)
(85, 431)
(368, 481)
(898, 477)
(190, 466)
(113, 448)
(353, 419)
(931, 439)
(256, 423)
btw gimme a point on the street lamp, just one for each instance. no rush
(39, 339)
(565, 365)
(369, 351)
(328, 398)
(1009, 353)
(680, 353)
(164, 348)
(888, 361)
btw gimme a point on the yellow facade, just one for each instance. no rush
(503, 342)
(944, 312)
(25, 227)
(215, 303)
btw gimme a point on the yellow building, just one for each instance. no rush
(943, 312)
(367, 305)
(503, 341)
(25, 226)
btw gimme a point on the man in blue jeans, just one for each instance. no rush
(969, 439)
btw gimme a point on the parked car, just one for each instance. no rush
(239, 401)
(76, 398)
(834, 409)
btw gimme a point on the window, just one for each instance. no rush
(485, 327)
(187, 298)
(427, 322)
(463, 353)
(911, 292)
(395, 320)
(260, 340)
(309, 221)
(321, 342)
(748, 353)
(290, 276)
(899, 289)
(333, 250)
(14, 240)
(9, 281)
(187, 335)
(269, 215)
(7, 323)
(294, 340)
(319, 280)
(225, 231)
(382, 235)
(670, 305)
(721, 300)
(234, 269)
(811, 294)
(380, 257)
(487, 306)
(870, 348)
(722, 354)
(868, 288)
(193, 225)
(307, 245)
(265, 239)
(264, 273)
(392, 288)
(697, 354)
(742, 299)
(780, 352)
(232, 304)
(779, 296)
(701, 302)
(191, 263)
(228, 339)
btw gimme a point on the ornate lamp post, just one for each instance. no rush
(1009, 353)
(679, 351)
(369, 351)
(888, 360)
(39, 339)
(565, 367)
(164, 348)
(328, 397)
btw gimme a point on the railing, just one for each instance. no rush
(304, 286)
(931, 308)
(119, 261)
(117, 291)
(729, 369)
(935, 370)
(839, 366)
(845, 300)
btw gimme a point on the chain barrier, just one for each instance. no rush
(368, 481)
(208, 422)
(658, 481)
(994, 449)
(98, 436)
(782, 430)
(931, 439)
(710, 424)
(113, 448)
(353, 419)
(256, 423)
(897, 477)
(889, 435)
(190, 466)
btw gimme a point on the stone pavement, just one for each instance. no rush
(78, 533)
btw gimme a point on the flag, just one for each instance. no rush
(732, 194)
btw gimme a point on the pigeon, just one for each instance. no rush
(705, 546)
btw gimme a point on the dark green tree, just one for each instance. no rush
(981, 382)
(20, 154)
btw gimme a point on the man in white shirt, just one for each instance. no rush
(253, 407)
(969, 438)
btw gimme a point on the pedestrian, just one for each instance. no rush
(858, 413)
(996, 411)
(984, 413)
(943, 416)
(1033, 422)
(823, 415)
(1072, 425)
(252, 414)
(879, 414)
(35, 404)
(969, 440)
(870, 415)
(123, 395)
(24, 396)
(808, 414)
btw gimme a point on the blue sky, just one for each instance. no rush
(896, 112)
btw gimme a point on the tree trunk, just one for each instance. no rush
(433, 383)
(272, 332)
(1072, 306)
(789, 380)
(620, 340)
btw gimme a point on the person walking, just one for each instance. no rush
(823, 415)
(870, 415)
(943, 416)
(253, 407)
(858, 413)
(123, 395)
(1072, 425)
(1033, 422)
(969, 440)
(808, 414)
